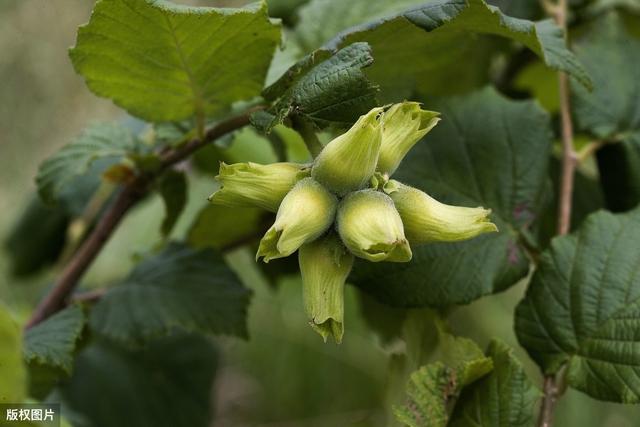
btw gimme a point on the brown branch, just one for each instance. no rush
(130, 194)
(569, 160)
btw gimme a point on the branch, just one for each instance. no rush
(569, 160)
(131, 193)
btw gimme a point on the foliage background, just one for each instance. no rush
(284, 375)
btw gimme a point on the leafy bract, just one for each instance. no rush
(322, 88)
(165, 62)
(424, 46)
(13, 375)
(505, 397)
(610, 112)
(166, 384)
(487, 151)
(583, 305)
(108, 142)
(180, 288)
(53, 342)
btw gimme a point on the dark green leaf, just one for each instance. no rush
(166, 384)
(505, 397)
(165, 62)
(173, 189)
(611, 108)
(37, 237)
(581, 308)
(610, 112)
(220, 227)
(323, 89)
(487, 151)
(102, 141)
(525, 9)
(53, 342)
(423, 47)
(180, 288)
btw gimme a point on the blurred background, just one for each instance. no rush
(284, 375)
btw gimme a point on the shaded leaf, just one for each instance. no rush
(37, 237)
(610, 112)
(181, 288)
(487, 151)
(165, 62)
(219, 226)
(173, 190)
(581, 308)
(103, 141)
(166, 384)
(505, 397)
(423, 46)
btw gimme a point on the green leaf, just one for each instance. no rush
(166, 384)
(53, 342)
(423, 47)
(12, 371)
(165, 62)
(103, 141)
(582, 308)
(610, 112)
(323, 89)
(433, 389)
(505, 397)
(37, 237)
(321, 20)
(487, 151)
(180, 288)
(219, 226)
(173, 189)
(610, 109)
(50, 348)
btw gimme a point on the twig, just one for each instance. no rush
(88, 296)
(132, 192)
(569, 160)
(569, 157)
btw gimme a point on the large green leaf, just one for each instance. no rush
(53, 342)
(180, 288)
(487, 151)
(13, 376)
(165, 62)
(323, 89)
(166, 384)
(108, 142)
(582, 308)
(423, 47)
(611, 111)
(505, 397)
